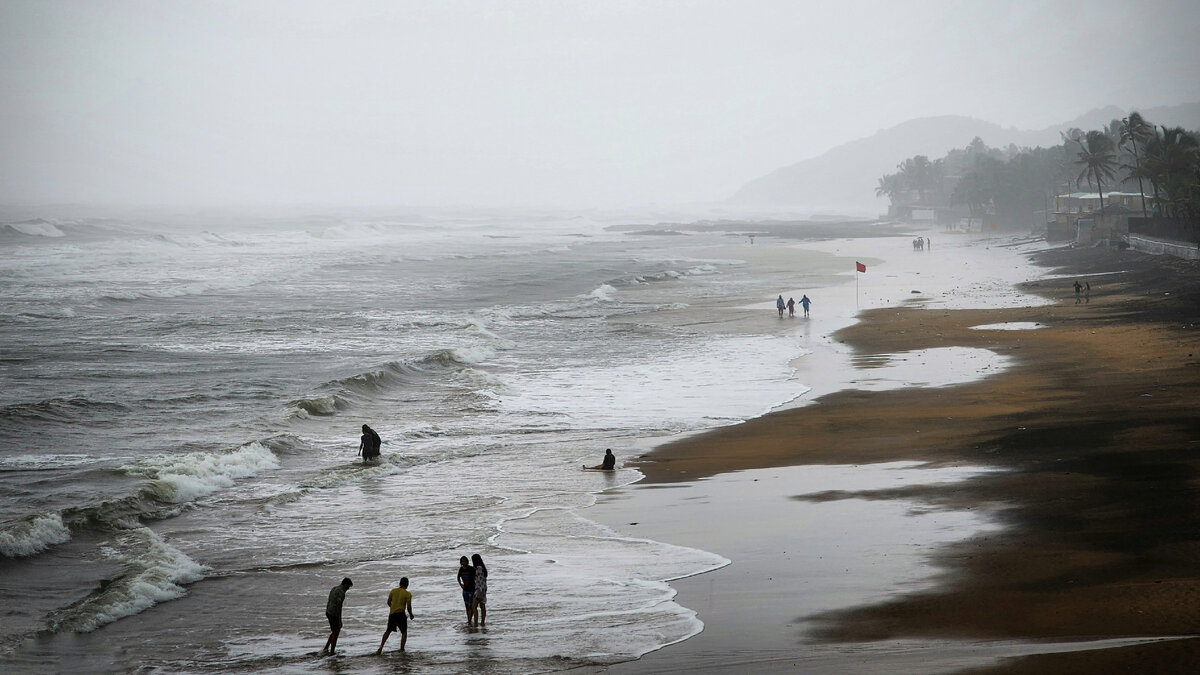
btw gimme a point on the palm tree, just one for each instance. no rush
(1171, 162)
(1134, 129)
(886, 186)
(1096, 158)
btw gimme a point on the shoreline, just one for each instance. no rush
(1091, 431)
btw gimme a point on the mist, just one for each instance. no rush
(530, 104)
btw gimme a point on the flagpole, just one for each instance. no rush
(858, 268)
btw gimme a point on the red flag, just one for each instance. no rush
(859, 266)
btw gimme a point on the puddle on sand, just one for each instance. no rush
(937, 367)
(1011, 325)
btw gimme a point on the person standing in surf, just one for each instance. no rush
(479, 608)
(333, 612)
(805, 302)
(779, 305)
(368, 446)
(399, 601)
(466, 581)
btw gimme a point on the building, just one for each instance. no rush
(1077, 216)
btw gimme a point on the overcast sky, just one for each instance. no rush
(532, 103)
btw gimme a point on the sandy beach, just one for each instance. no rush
(1078, 463)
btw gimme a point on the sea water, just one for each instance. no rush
(179, 486)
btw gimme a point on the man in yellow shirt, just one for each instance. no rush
(399, 601)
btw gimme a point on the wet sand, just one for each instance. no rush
(1092, 435)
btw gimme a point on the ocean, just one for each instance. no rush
(179, 486)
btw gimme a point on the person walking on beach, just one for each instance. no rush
(399, 601)
(791, 307)
(779, 305)
(368, 445)
(333, 612)
(480, 605)
(1077, 289)
(466, 581)
(805, 302)
(1087, 292)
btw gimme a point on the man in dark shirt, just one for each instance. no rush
(333, 612)
(466, 580)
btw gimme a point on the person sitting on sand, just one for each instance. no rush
(333, 612)
(368, 445)
(399, 601)
(609, 463)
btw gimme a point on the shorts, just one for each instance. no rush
(335, 622)
(397, 621)
(468, 597)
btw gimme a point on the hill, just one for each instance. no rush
(845, 177)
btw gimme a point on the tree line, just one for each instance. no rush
(1015, 184)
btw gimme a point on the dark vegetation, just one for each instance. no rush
(1016, 184)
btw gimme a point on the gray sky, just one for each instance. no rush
(531, 103)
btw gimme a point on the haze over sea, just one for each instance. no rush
(178, 480)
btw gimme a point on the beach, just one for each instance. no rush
(1080, 456)
(821, 493)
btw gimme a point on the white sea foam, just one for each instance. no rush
(183, 478)
(470, 355)
(154, 572)
(46, 462)
(679, 387)
(38, 229)
(33, 535)
(605, 293)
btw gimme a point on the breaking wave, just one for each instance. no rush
(604, 293)
(38, 227)
(154, 572)
(182, 478)
(33, 535)
(321, 405)
(341, 394)
(170, 482)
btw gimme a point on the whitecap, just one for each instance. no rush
(155, 572)
(183, 478)
(604, 293)
(39, 228)
(33, 535)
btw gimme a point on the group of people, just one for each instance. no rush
(790, 305)
(922, 243)
(472, 578)
(1087, 291)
